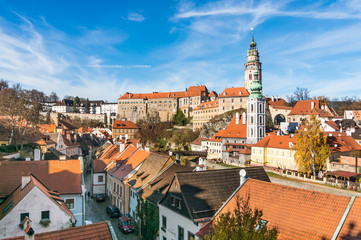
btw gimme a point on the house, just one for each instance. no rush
(299, 213)
(193, 198)
(203, 113)
(124, 129)
(68, 145)
(120, 174)
(279, 109)
(214, 146)
(232, 98)
(154, 164)
(61, 176)
(306, 108)
(33, 200)
(100, 230)
(199, 145)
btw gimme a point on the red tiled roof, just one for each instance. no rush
(199, 140)
(340, 173)
(137, 158)
(333, 125)
(206, 105)
(119, 124)
(276, 141)
(47, 128)
(20, 193)
(305, 108)
(213, 94)
(57, 175)
(234, 130)
(98, 231)
(339, 142)
(296, 213)
(234, 92)
(351, 228)
(277, 102)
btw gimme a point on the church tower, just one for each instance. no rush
(256, 116)
(251, 65)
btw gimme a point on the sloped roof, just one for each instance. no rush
(206, 105)
(234, 92)
(99, 231)
(351, 228)
(204, 192)
(234, 130)
(66, 125)
(213, 94)
(119, 159)
(119, 124)
(157, 188)
(333, 125)
(297, 213)
(152, 165)
(130, 164)
(276, 141)
(305, 108)
(278, 103)
(57, 175)
(20, 193)
(198, 141)
(339, 142)
(47, 128)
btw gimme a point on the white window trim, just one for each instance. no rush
(74, 202)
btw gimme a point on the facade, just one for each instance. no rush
(232, 98)
(124, 129)
(62, 176)
(63, 106)
(161, 105)
(305, 109)
(110, 110)
(203, 113)
(256, 112)
(199, 145)
(194, 197)
(278, 110)
(33, 200)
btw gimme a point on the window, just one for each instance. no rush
(164, 222)
(45, 215)
(172, 201)
(191, 236)
(70, 203)
(100, 179)
(180, 233)
(178, 203)
(22, 216)
(164, 238)
(250, 76)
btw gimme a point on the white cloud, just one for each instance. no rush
(118, 66)
(132, 16)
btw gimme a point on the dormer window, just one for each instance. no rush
(172, 201)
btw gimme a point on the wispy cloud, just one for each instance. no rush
(133, 16)
(119, 66)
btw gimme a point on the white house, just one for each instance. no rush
(32, 199)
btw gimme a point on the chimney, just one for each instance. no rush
(237, 118)
(121, 146)
(312, 105)
(126, 138)
(147, 149)
(243, 176)
(273, 99)
(243, 118)
(62, 157)
(25, 179)
(201, 165)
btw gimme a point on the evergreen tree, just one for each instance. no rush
(180, 119)
(311, 147)
(76, 104)
(87, 106)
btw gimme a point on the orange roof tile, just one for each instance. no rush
(297, 213)
(234, 130)
(119, 124)
(99, 231)
(305, 108)
(137, 158)
(199, 140)
(206, 105)
(351, 228)
(47, 128)
(339, 142)
(234, 92)
(276, 141)
(20, 193)
(213, 94)
(57, 175)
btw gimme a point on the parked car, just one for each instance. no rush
(100, 197)
(112, 211)
(125, 225)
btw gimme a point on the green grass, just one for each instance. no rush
(226, 165)
(275, 175)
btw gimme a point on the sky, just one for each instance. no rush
(102, 49)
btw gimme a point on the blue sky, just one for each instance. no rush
(101, 49)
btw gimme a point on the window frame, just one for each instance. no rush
(47, 212)
(66, 199)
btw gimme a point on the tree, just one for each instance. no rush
(148, 223)
(87, 106)
(180, 119)
(311, 147)
(243, 223)
(299, 94)
(3, 84)
(76, 104)
(53, 97)
(151, 130)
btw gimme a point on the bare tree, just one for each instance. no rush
(53, 97)
(3, 84)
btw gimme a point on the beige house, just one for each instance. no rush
(305, 109)
(232, 98)
(203, 113)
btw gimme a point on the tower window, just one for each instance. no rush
(250, 76)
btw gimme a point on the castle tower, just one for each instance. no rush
(251, 65)
(256, 116)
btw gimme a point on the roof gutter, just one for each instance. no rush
(343, 219)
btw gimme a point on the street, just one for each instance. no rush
(95, 212)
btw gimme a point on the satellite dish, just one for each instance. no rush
(242, 173)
